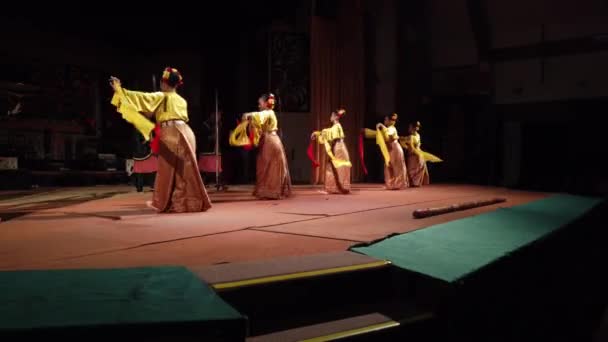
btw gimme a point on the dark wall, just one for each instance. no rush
(500, 122)
(69, 72)
(517, 87)
(562, 144)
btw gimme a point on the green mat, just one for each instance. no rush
(451, 250)
(90, 298)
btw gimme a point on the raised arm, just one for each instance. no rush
(385, 131)
(146, 103)
(128, 110)
(247, 116)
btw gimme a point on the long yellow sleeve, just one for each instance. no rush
(144, 102)
(325, 138)
(381, 137)
(370, 133)
(405, 142)
(318, 136)
(256, 123)
(391, 133)
(265, 120)
(131, 114)
(412, 144)
(239, 136)
(329, 134)
(431, 158)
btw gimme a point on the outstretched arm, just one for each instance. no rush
(129, 111)
(146, 103)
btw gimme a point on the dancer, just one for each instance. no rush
(416, 158)
(387, 138)
(337, 169)
(178, 186)
(260, 129)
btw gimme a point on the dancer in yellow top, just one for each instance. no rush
(337, 168)
(178, 186)
(260, 129)
(416, 157)
(387, 139)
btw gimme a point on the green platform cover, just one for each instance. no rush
(451, 250)
(93, 298)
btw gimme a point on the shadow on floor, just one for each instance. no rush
(11, 212)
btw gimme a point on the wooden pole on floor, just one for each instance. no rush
(422, 213)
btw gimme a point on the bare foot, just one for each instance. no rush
(149, 205)
(323, 192)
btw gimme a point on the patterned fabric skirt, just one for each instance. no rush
(337, 181)
(395, 174)
(272, 173)
(179, 187)
(417, 170)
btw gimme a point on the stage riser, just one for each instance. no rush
(148, 304)
(286, 305)
(419, 331)
(426, 330)
(305, 302)
(550, 290)
(506, 300)
(154, 333)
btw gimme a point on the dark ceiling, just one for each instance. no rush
(184, 25)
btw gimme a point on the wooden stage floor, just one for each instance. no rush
(110, 226)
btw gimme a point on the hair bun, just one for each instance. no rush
(172, 77)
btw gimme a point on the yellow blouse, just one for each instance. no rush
(382, 135)
(391, 133)
(265, 120)
(325, 137)
(330, 134)
(413, 142)
(165, 106)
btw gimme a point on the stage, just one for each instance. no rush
(312, 267)
(110, 226)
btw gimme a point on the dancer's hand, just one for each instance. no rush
(313, 136)
(378, 126)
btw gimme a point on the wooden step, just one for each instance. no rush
(368, 325)
(232, 276)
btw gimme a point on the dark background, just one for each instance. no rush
(509, 93)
